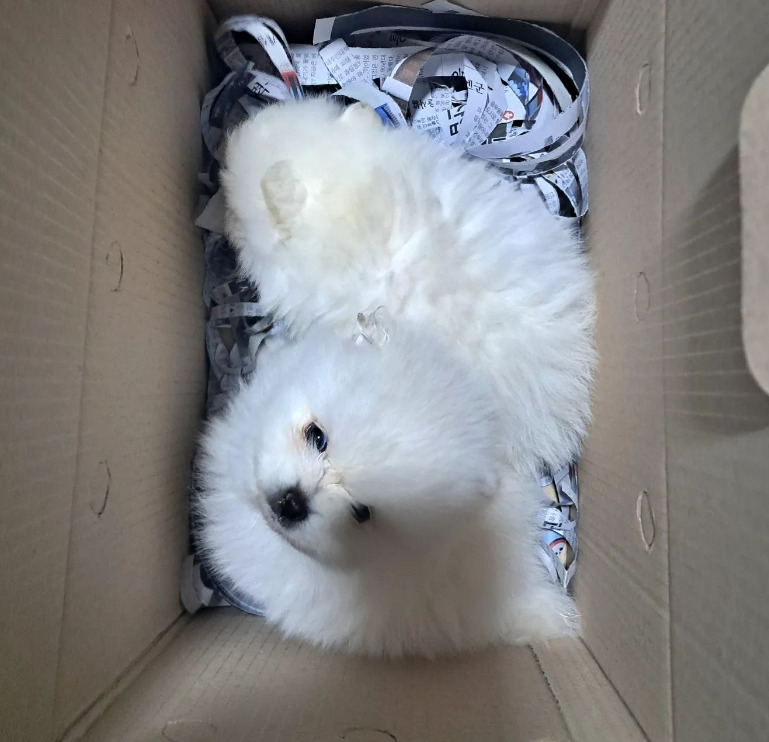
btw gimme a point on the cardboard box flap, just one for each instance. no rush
(716, 416)
(754, 195)
(144, 365)
(228, 676)
(622, 582)
(52, 63)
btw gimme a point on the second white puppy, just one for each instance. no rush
(335, 214)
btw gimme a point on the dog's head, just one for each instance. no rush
(314, 192)
(351, 452)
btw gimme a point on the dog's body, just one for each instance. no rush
(337, 215)
(431, 440)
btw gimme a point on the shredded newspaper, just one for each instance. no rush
(512, 93)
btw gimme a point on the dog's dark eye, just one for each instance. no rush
(316, 438)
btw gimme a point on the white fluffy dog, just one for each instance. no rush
(362, 494)
(335, 214)
(382, 498)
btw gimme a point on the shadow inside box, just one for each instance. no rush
(708, 386)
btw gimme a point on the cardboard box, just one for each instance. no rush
(102, 381)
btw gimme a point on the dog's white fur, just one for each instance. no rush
(335, 214)
(485, 376)
(448, 560)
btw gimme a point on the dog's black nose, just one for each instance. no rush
(290, 506)
(361, 513)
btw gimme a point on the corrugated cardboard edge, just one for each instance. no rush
(590, 706)
(622, 587)
(81, 725)
(754, 195)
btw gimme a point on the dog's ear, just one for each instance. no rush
(360, 114)
(284, 195)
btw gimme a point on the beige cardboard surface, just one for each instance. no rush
(112, 694)
(754, 198)
(622, 588)
(228, 677)
(717, 418)
(144, 366)
(591, 707)
(52, 65)
(298, 18)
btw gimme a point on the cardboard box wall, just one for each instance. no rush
(102, 380)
